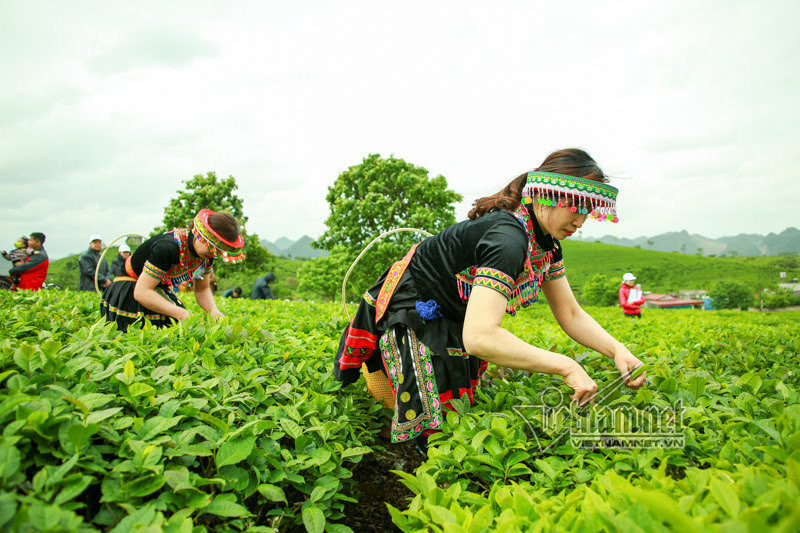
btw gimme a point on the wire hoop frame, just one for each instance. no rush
(97, 268)
(355, 262)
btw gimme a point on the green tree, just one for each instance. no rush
(729, 294)
(322, 277)
(375, 196)
(600, 290)
(781, 297)
(202, 192)
(209, 192)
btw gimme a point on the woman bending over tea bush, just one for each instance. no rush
(427, 329)
(165, 261)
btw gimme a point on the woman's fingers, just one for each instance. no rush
(638, 381)
(583, 386)
(584, 393)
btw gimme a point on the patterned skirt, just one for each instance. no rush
(424, 360)
(118, 305)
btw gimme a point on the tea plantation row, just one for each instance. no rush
(724, 383)
(239, 425)
(229, 426)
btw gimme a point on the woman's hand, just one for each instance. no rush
(579, 381)
(181, 313)
(626, 363)
(216, 314)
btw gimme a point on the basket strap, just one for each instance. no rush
(391, 282)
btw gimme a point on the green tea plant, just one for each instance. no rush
(238, 425)
(504, 465)
(235, 425)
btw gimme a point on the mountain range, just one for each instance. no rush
(299, 249)
(786, 242)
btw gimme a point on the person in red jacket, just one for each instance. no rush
(33, 271)
(631, 306)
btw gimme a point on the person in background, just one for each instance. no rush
(168, 260)
(233, 293)
(33, 271)
(88, 265)
(118, 266)
(631, 304)
(20, 252)
(18, 255)
(261, 290)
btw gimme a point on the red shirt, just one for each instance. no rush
(631, 308)
(32, 278)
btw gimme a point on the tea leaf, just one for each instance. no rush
(313, 519)
(291, 427)
(99, 416)
(141, 389)
(10, 460)
(355, 451)
(726, 496)
(129, 369)
(226, 508)
(235, 451)
(272, 492)
(27, 358)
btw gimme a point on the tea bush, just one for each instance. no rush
(239, 426)
(731, 380)
(229, 426)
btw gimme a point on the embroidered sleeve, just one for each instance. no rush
(500, 256)
(503, 249)
(556, 271)
(163, 256)
(494, 279)
(154, 271)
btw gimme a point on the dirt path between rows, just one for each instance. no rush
(376, 486)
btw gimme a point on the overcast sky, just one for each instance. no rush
(105, 107)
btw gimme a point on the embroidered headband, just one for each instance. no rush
(589, 197)
(231, 252)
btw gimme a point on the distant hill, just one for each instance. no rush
(283, 243)
(786, 242)
(301, 248)
(271, 246)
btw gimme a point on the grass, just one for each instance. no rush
(672, 271)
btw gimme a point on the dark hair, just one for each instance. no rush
(238, 290)
(225, 225)
(38, 236)
(569, 161)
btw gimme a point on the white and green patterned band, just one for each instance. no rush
(589, 197)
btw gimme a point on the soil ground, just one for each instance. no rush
(376, 486)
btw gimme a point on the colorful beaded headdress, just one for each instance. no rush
(231, 252)
(588, 197)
